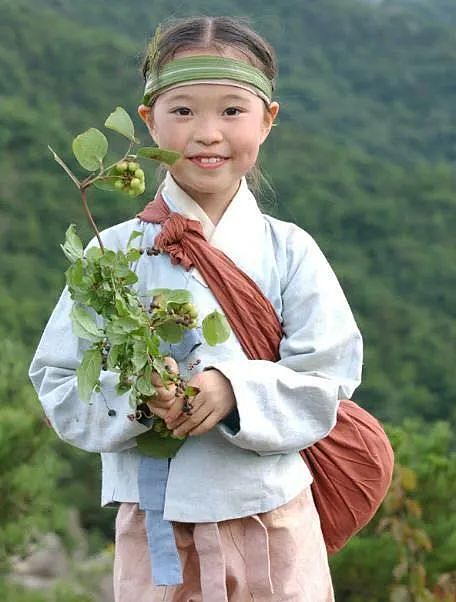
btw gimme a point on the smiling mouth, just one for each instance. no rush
(208, 162)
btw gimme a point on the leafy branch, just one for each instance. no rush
(123, 332)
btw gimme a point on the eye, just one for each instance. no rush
(232, 111)
(181, 111)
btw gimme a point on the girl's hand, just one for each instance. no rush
(214, 401)
(165, 396)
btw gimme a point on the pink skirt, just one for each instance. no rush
(274, 556)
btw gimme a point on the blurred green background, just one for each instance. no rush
(363, 158)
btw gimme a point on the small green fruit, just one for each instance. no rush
(193, 312)
(190, 309)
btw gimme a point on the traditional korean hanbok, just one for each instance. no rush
(238, 497)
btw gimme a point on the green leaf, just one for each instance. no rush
(215, 328)
(153, 344)
(140, 356)
(118, 329)
(133, 255)
(122, 387)
(120, 122)
(94, 253)
(179, 296)
(159, 292)
(121, 305)
(191, 391)
(89, 148)
(113, 356)
(75, 277)
(144, 384)
(72, 247)
(79, 284)
(151, 444)
(133, 235)
(159, 154)
(107, 183)
(84, 325)
(123, 270)
(88, 373)
(170, 332)
(108, 259)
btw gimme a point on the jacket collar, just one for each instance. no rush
(240, 231)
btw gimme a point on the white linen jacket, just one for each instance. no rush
(283, 407)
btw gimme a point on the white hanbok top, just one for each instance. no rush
(283, 407)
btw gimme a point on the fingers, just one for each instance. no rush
(163, 398)
(184, 407)
(160, 412)
(192, 422)
(205, 426)
(165, 394)
(174, 412)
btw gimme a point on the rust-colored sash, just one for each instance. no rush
(352, 466)
(251, 316)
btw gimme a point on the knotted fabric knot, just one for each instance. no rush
(173, 228)
(173, 238)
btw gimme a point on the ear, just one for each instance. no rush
(146, 114)
(269, 118)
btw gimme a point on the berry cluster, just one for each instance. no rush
(129, 177)
(185, 314)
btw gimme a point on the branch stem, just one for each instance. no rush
(65, 167)
(85, 206)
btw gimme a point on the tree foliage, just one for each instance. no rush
(29, 461)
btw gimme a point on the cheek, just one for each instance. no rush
(253, 138)
(169, 136)
(257, 131)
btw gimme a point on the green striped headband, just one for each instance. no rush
(205, 69)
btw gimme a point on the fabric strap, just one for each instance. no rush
(165, 562)
(250, 314)
(205, 68)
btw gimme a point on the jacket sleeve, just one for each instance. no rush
(289, 405)
(86, 425)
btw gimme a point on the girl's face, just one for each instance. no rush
(218, 129)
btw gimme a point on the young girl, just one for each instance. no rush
(237, 494)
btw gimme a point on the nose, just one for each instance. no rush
(208, 131)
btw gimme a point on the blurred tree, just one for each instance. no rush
(29, 463)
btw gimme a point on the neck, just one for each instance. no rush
(214, 205)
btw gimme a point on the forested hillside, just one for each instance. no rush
(363, 157)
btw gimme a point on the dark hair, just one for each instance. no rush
(213, 32)
(209, 32)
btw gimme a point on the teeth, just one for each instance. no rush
(210, 159)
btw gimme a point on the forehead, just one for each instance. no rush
(207, 93)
